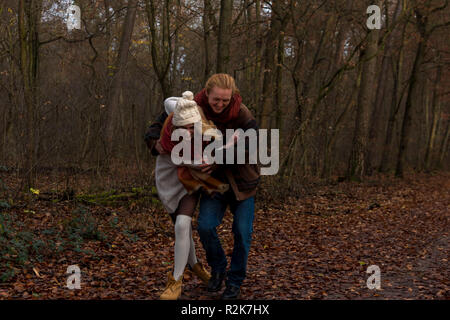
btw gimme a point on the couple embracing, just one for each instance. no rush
(215, 186)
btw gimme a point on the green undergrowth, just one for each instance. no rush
(116, 198)
(21, 245)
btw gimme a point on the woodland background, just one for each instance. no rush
(348, 100)
(356, 108)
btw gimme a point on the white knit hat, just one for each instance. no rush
(186, 110)
(170, 104)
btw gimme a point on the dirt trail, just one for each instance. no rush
(316, 245)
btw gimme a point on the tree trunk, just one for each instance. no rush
(270, 66)
(224, 36)
(113, 114)
(174, 74)
(407, 119)
(378, 109)
(444, 147)
(279, 106)
(29, 17)
(395, 104)
(258, 58)
(206, 39)
(436, 107)
(108, 34)
(161, 48)
(359, 154)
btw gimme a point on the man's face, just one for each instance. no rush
(219, 98)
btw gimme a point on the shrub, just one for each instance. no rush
(83, 226)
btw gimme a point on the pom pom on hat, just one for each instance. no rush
(188, 95)
(186, 110)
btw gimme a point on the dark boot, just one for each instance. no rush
(231, 292)
(215, 282)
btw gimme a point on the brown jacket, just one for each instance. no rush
(243, 178)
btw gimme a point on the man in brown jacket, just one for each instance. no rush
(221, 103)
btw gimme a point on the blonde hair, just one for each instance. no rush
(223, 81)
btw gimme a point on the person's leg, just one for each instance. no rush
(184, 246)
(192, 258)
(243, 215)
(212, 210)
(197, 267)
(182, 219)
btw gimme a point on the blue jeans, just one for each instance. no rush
(212, 210)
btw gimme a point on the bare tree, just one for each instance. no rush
(117, 80)
(28, 26)
(358, 165)
(161, 48)
(224, 36)
(422, 14)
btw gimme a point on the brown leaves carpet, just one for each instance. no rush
(315, 245)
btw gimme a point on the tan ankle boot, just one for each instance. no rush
(173, 288)
(201, 272)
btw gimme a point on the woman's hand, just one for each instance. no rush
(204, 167)
(207, 168)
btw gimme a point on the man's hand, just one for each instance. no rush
(159, 148)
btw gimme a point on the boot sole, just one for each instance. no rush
(232, 298)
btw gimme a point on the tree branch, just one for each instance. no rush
(441, 25)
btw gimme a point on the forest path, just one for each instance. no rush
(316, 245)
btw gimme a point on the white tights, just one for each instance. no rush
(184, 245)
